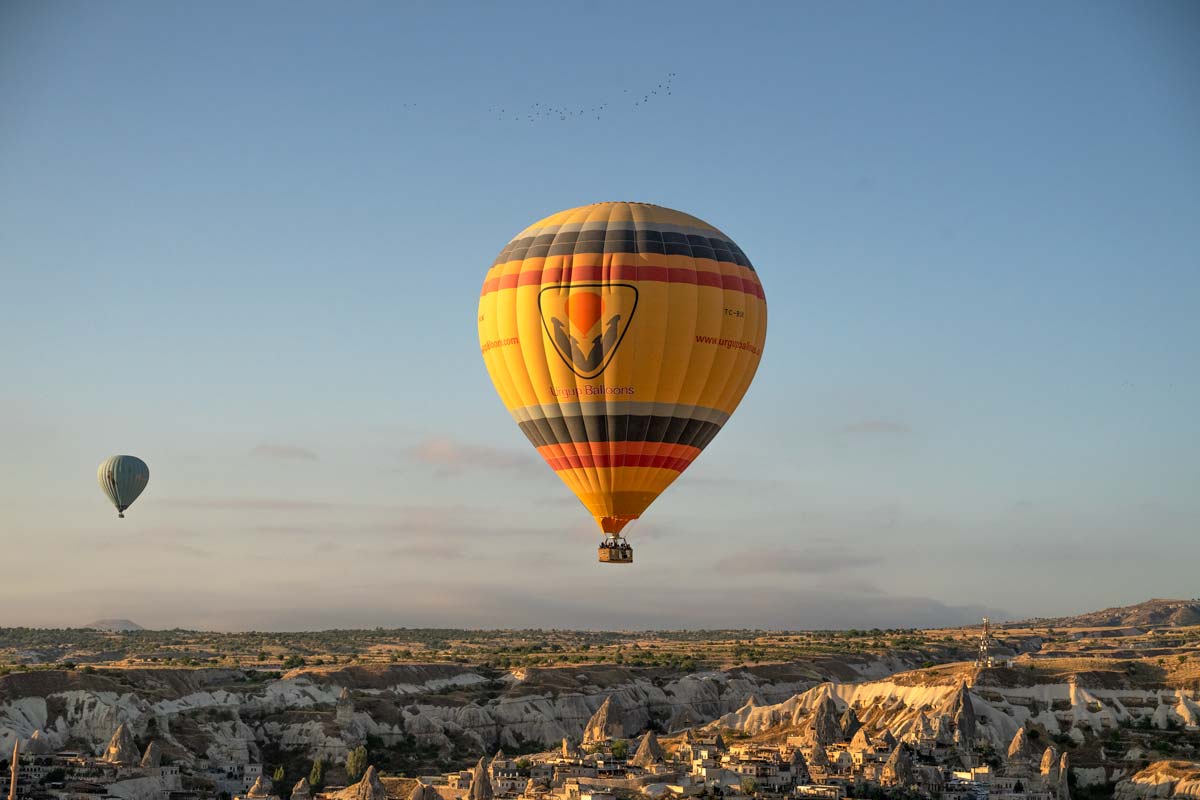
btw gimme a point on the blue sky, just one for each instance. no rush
(245, 242)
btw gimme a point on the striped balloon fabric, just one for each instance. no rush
(123, 478)
(621, 336)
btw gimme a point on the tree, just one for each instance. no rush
(749, 786)
(293, 662)
(316, 775)
(356, 762)
(278, 775)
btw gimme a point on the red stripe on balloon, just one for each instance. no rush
(580, 461)
(623, 272)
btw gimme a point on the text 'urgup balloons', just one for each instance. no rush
(123, 478)
(621, 336)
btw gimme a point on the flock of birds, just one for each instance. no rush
(537, 112)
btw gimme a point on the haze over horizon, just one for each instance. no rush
(124, 623)
(246, 244)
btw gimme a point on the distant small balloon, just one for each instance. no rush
(123, 478)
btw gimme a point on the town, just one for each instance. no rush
(834, 758)
(1075, 709)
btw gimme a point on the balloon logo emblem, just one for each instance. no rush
(585, 309)
(586, 322)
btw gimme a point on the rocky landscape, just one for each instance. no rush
(1084, 717)
(229, 715)
(1162, 779)
(1122, 701)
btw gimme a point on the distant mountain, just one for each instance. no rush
(115, 625)
(1150, 614)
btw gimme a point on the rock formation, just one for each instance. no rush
(605, 724)
(682, 719)
(423, 792)
(800, 766)
(823, 728)
(1063, 790)
(37, 744)
(921, 730)
(1049, 767)
(1162, 780)
(818, 757)
(962, 713)
(481, 784)
(302, 790)
(943, 730)
(121, 747)
(570, 750)
(850, 723)
(888, 740)
(1020, 749)
(262, 787)
(344, 708)
(369, 788)
(152, 758)
(649, 751)
(861, 743)
(898, 771)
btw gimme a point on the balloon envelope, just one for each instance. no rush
(123, 478)
(621, 336)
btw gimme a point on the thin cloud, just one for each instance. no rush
(410, 524)
(505, 606)
(792, 561)
(424, 550)
(451, 456)
(160, 541)
(881, 426)
(284, 452)
(707, 482)
(251, 503)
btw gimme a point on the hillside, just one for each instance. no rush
(1150, 614)
(114, 625)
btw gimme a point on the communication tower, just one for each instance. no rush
(985, 657)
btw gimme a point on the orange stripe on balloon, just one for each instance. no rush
(587, 455)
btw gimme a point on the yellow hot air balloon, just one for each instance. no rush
(621, 336)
